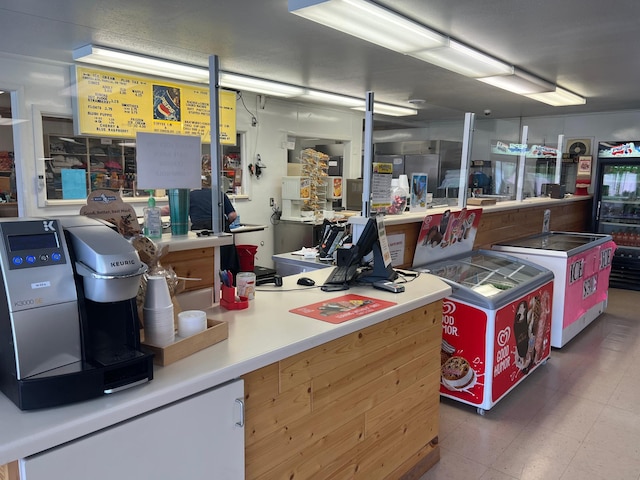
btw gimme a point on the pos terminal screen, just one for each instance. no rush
(32, 242)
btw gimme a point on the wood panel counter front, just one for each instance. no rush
(502, 221)
(194, 258)
(357, 399)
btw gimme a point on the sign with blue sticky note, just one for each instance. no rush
(74, 183)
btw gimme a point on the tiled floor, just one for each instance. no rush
(575, 418)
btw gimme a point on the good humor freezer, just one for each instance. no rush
(496, 324)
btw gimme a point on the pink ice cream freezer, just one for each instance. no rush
(496, 324)
(581, 264)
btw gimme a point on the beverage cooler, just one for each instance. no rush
(581, 264)
(617, 208)
(496, 325)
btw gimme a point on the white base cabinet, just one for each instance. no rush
(201, 437)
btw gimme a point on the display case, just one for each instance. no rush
(108, 163)
(495, 325)
(105, 163)
(304, 197)
(581, 265)
(617, 208)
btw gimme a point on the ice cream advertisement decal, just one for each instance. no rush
(446, 234)
(522, 338)
(462, 365)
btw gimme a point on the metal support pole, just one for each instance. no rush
(217, 195)
(368, 156)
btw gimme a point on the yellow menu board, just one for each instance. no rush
(113, 104)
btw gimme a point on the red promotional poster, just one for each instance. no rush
(446, 234)
(344, 308)
(462, 357)
(522, 338)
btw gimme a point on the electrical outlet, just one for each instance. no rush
(271, 202)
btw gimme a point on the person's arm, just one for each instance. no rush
(229, 211)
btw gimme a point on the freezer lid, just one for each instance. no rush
(568, 242)
(489, 279)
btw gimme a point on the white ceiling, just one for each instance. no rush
(585, 46)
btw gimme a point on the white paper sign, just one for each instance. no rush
(396, 248)
(168, 161)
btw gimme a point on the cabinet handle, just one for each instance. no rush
(240, 423)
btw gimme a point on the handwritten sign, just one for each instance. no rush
(168, 161)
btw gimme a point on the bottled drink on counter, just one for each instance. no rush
(152, 220)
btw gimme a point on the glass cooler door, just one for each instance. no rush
(619, 214)
(617, 209)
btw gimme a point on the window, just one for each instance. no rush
(76, 165)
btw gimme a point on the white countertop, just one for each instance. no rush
(191, 240)
(301, 259)
(248, 228)
(264, 333)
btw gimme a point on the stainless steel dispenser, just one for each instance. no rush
(69, 328)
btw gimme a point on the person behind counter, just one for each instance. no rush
(200, 213)
(201, 210)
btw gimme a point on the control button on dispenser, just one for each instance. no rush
(44, 257)
(17, 260)
(31, 259)
(56, 256)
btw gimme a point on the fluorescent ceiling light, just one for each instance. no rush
(258, 85)
(369, 22)
(332, 98)
(519, 82)
(169, 69)
(466, 61)
(140, 63)
(381, 26)
(559, 98)
(390, 110)
(165, 68)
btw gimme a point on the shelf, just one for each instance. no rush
(114, 158)
(620, 200)
(619, 223)
(100, 161)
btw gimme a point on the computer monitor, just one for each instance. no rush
(369, 242)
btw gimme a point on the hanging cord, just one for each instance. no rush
(254, 119)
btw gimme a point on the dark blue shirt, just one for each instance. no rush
(200, 208)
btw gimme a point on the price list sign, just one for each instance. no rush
(119, 105)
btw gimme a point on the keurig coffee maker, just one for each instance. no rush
(69, 327)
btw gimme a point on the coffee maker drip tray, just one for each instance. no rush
(114, 356)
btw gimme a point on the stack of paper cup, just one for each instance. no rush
(158, 312)
(191, 322)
